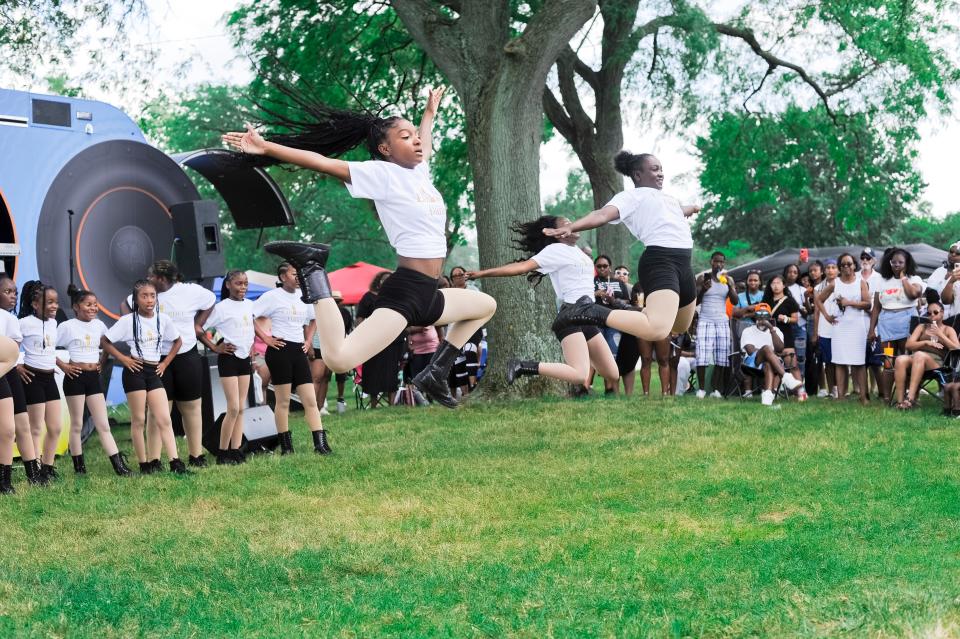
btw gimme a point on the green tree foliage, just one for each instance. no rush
(923, 228)
(799, 179)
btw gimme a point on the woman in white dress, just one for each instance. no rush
(848, 343)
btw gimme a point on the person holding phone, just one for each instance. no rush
(760, 344)
(929, 343)
(946, 282)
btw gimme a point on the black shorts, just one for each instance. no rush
(16, 389)
(589, 332)
(229, 365)
(667, 269)
(413, 295)
(5, 391)
(289, 365)
(183, 379)
(87, 383)
(146, 380)
(41, 389)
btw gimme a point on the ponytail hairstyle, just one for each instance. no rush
(137, 286)
(79, 295)
(627, 163)
(530, 240)
(224, 291)
(321, 128)
(165, 270)
(282, 268)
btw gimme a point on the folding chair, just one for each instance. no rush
(949, 372)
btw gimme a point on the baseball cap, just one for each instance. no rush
(867, 252)
(761, 311)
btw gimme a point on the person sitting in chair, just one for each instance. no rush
(760, 344)
(929, 343)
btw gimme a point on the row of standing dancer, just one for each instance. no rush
(165, 320)
(413, 216)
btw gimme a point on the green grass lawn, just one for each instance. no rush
(537, 519)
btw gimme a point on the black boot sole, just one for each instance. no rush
(300, 254)
(436, 392)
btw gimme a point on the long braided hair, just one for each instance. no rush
(33, 291)
(137, 287)
(530, 240)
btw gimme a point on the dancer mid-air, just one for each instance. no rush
(659, 221)
(571, 273)
(413, 215)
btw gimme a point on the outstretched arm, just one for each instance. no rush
(690, 209)
(507, 270)
(426, 123)
(591, 220)
(252, 143)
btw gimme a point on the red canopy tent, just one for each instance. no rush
(354, 280)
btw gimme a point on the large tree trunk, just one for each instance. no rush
(499, 78)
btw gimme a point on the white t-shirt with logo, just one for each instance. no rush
(410, 208)
(234, 320)
(287, 312)
(653, 217)
(797, 293)
(39, 342)
(181, 303)
(569, 268)
(10, 326)
(148, 330)
(81, 339)
(892, 295)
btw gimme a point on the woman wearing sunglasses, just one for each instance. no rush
(929, 342)
(849, 331)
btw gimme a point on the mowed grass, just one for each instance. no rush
(546, 518)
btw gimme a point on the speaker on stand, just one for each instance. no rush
(196, 227)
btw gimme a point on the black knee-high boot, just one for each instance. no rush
(6, 474)
(518, 368)
(433, 379)
(309, 260)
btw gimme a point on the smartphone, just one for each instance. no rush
(805, 255)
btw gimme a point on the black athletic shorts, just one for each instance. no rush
(229, 365)
(667, 269)
(146, 380)
(413, 295)
(42, 388)
(589, 332)
(16, 389)
(87, 383)
(5, 391)
(183, 379)
(289, 365)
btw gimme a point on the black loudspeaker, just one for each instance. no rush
(196, 226)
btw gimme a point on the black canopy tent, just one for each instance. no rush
(928, 259)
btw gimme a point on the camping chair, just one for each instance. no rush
(739, 372)
(949, 372)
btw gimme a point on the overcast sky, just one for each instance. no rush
(192, 32)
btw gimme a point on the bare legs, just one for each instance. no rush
(662, 351)
(231, 429)
(578, 355)
(98, 411)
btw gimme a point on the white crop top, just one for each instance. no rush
(410, 208)
(569, 268)
(39, 342)
(653, 217)
(81, 339)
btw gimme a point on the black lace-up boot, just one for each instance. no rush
(518, 368)
(320, 444)
(79, 466)
(309, 260)
(433, 380)
(119, 463)
(583, 312)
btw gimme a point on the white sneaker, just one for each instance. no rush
(341, 407)
(747, 394)
(701, 394)
(791, 382)
(822, 392)
(766, 398)
(716, 394)
(323, 411)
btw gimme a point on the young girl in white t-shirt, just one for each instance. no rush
(9, 332)
(233, 319)
(80, 336)
(659, 221)
(144, 330)
(38, 308)
(571, 273)
(413, 215)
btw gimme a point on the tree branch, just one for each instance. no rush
(438, 34)
(557, 115)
